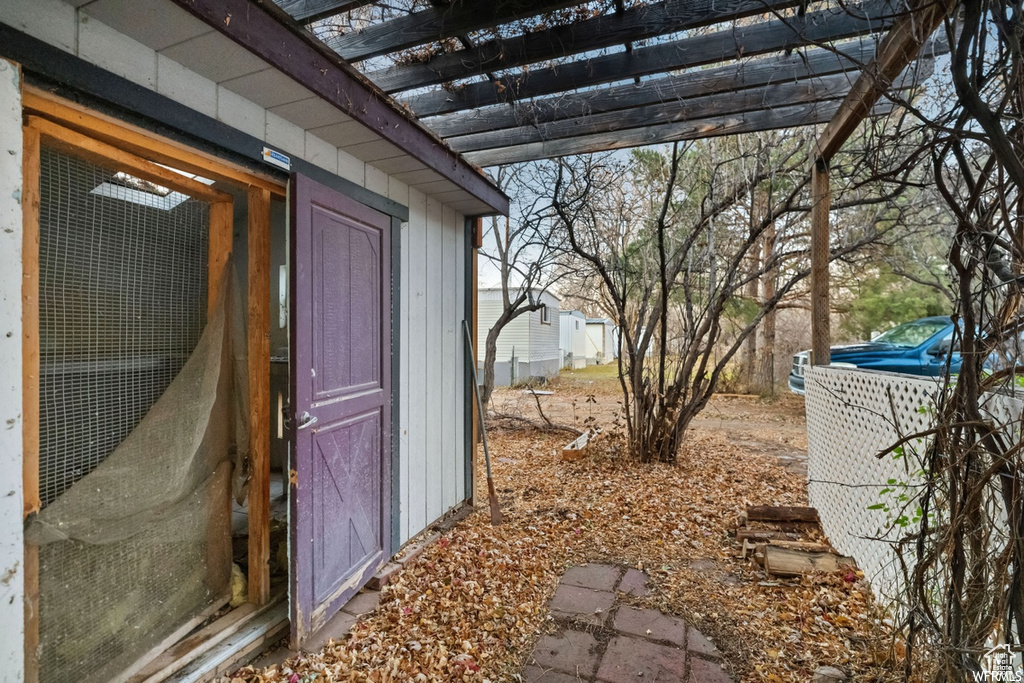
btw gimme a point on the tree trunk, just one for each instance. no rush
(750, 292)
(490, 356)
(765, 378)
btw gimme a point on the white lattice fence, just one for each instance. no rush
(852, 416)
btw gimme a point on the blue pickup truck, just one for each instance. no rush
(919, 347)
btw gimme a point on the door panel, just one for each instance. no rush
(341, 400)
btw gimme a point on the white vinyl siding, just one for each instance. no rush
(532, 339)
(432, 467)
(544, 336)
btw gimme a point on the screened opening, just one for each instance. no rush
(123, 270)
(122, 302)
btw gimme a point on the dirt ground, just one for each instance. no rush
(772, 426)
(474, 604)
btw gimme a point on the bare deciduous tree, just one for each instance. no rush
(670, 242)
(526, 254)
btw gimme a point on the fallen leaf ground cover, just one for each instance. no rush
(474, 604)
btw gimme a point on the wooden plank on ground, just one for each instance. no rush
(764, 535)
(578, 448)
(780, 513)
(149, 661)
(786, 562)
(203, 653)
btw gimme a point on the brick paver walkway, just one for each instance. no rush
(599, 639)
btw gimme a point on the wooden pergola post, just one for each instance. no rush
(898, 49)
(821, 200)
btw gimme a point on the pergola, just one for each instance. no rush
(629, 74)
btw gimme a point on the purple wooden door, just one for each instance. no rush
(340, 398)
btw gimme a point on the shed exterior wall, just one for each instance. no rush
(432, 269)
(12, 550)
(431, 397)
(595, 343)
(573, 339)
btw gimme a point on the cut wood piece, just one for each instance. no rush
(786, 562)
(747, 549)
(781, 513)
(578, 448)
(383, 576)
(806, 546)
(765, 535)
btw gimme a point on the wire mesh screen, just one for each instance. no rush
(122, 299)
(122, 272)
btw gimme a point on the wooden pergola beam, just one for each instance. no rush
(437, 23)
(720, 46)
(898, 48)
(636, 23)
(731, 78)
(769, 119)
(807, 91)
(311, 10)
(767, 97)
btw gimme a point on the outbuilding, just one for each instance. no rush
(600, 341)
(243, 272)
(572, 340)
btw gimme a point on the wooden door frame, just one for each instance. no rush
(61, 124)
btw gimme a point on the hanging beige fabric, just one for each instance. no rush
(159, 504)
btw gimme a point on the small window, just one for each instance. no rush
(545, 319)
(577, 324)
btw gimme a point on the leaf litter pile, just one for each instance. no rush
(474, 603)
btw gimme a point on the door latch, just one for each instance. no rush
(307, 420)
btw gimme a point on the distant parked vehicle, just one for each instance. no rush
(919, 347)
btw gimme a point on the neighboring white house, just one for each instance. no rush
(572, 342)
(600, 341)
(532, 339)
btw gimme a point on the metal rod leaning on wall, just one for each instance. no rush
(491, 495)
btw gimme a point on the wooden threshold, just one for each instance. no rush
(146, 661)
(221, 645)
